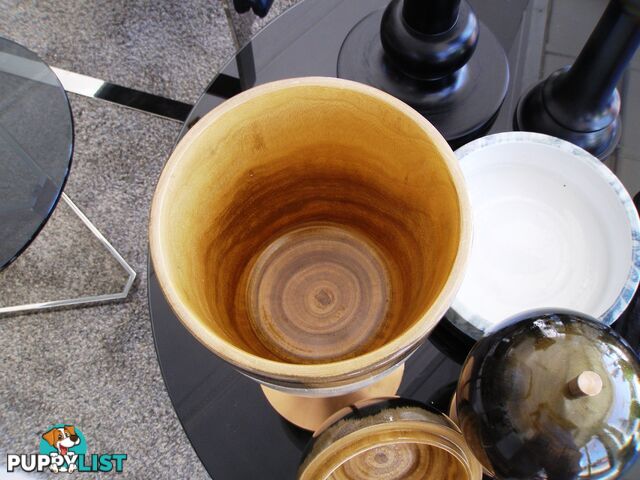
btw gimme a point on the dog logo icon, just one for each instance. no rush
(62, 439)
(63, 448)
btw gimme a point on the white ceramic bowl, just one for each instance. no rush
(553, 228)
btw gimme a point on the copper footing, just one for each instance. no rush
(310, 412)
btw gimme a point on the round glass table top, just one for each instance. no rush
(36, 143)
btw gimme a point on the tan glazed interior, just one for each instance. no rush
(406, 442)
(298, 179)
(409, 449)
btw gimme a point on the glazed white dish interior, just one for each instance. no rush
(553, 228)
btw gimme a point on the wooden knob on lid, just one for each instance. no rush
(587, 384)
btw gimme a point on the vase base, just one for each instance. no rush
(309, 413)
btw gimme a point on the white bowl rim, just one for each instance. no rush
(461, 312)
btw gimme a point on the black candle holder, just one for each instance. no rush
(580, 103)
(437, 57)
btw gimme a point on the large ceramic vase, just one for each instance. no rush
(311, 232)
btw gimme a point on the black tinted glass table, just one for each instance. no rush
(234, 431)
(36, 142)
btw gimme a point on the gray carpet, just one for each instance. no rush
(96, 367)
(167, 48)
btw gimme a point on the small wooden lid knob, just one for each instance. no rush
(587, 384)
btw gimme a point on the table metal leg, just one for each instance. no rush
(81, 299)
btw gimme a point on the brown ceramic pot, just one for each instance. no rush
(311, 232)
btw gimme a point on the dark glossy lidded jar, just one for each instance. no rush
(551, 396)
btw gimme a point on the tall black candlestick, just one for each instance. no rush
(436, 57)
(432, 17)
(581, 103)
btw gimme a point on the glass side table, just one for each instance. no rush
(36, 146)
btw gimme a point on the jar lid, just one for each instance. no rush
(389, 438)
(553, 395)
